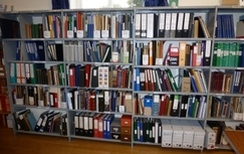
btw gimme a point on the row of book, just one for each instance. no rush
(221, 107)
(48, 121)
(98, 25)
(80, 25)
(105, 126)
(227, 82)
(228, 54)
(171, 105)
(169, 133)
(34, 30)
(91, 76)
(77, 51)
(163, 80)
(51, 28)
(152, 53)
(225, 26)
(76, 75)
(95, 51)
(100, 100)
(169, 25)
(74, 99)
(39, 96)
(100, 76)
(37, 74)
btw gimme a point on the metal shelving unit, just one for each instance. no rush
(21, 16)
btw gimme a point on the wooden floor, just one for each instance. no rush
(39, 144)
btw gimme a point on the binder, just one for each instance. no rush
(91, 125)
(175, 106)
(32, 120)
(13, 74)
(81, 124)
(42, 120)
(143, 25)
(150, 25)
(10, 28)
(186, 25)
(76, 122)
(40, 50)
(101, 125)
(167, 25)
(161, 25)
(173, 25)
(64, 131)
(108, 129)
(22, 121)
(207, 54)
(86, 124)
(94, 76)
(184, 104)
(87, 75)
(96, 125)
(180, 23)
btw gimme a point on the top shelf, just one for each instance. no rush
(189, 8)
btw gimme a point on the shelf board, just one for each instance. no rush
(226, 94)
(226, 68)
(99, 139)
(41, 133)
(146, 143)
(37, 85)
(130, 9)
(36, 62)
(223, 147)
(177, 8)
(172, 39)
(169, 117)
(98, 39)
(105, 112)
(223, 119)
(110, 89)
(171, 67)
(41, 107)
(106, 63)
(169, 92)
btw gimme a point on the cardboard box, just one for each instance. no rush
(210, 138)
(167, 134)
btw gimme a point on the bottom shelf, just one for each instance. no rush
(99, 139)
(147, 143)
(41, 133)
(223, 147)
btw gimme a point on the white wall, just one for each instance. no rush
(199, 2)
(20, 5)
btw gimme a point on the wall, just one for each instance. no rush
(20, 5)
(199, 2)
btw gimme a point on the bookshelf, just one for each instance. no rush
(125, 75)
